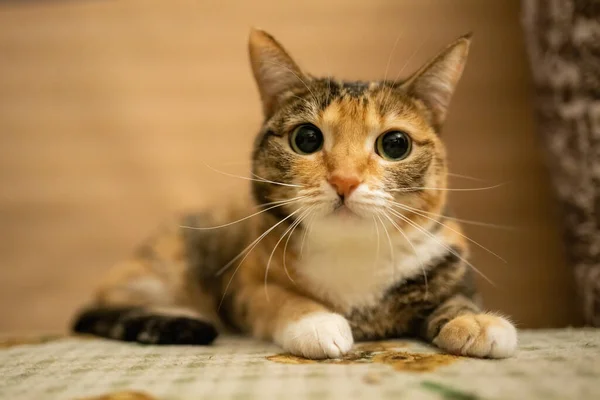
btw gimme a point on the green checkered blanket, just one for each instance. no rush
(551, 364)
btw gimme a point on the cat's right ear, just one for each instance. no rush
(274, 70)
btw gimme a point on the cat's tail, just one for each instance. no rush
(146, 325)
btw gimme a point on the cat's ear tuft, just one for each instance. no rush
(274, 70)
(435, 82)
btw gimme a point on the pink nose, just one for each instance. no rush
(344, 185)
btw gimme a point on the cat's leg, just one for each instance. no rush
(141, 307)
(298, 324)
(459, 327)
(150, 299)
(146, 325)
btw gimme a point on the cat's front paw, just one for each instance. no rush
(478, 335)
(318, 335)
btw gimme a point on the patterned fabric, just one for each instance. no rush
(563, 40)
(554, 364)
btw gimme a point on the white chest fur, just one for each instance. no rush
(351, 265)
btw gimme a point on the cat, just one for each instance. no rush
(351, 241)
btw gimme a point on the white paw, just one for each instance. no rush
(478, 335)
(317, 335)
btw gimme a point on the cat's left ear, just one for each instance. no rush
(274, 70)
(435, 82)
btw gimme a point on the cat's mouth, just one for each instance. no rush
(343, 211)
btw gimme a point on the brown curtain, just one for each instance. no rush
(563, 42)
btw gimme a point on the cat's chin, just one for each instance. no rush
(343, 222)
(344, 213)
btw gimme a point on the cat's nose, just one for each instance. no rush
(344, 184)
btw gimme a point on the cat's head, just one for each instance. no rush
(341, 150)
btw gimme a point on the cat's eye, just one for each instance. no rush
(306, 139)
(393, 145)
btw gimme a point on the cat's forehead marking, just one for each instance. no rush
(354, 89)
(348, 121)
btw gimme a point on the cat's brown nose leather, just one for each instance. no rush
(344, 185)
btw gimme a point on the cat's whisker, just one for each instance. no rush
(388, 238)
(294, 225)
(312, 192)
(467, 177)
(415, 211)
(413, 189)
(275, 248)
(283, 203)
(275, 182)
(378, 242)
(226, 266)
(263, 180)
(328, 88)
(414, 251)
(293, 228)
(448, 248)
(306, 230)
(408, 60)
(413, 54)
(482, 224)
(247, 250)
(328, 79)
(387, 67)
(461, 220)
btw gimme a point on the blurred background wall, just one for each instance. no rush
(108, 110)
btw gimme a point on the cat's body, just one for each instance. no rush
(353, 243)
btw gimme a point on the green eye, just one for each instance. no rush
(393, 145)
(306, 139)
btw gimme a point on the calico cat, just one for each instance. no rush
(351, 240)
